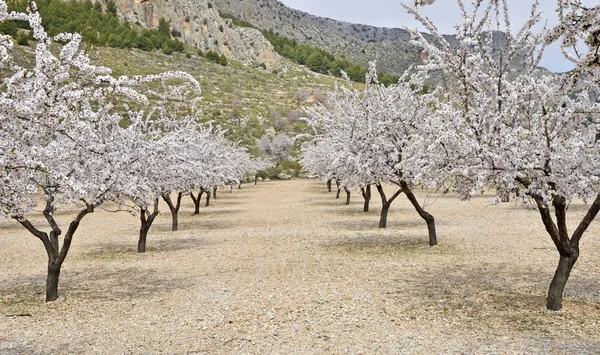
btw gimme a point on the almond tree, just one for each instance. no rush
(579, 34)
(372, 134)
(60, 137)
(504, 128)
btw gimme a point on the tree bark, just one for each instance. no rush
(146, 219)
(56, 254)
(366, 193)
(329, 185)
(215, 192)
(568, 248)
(385, 204)
(347, 195)
(429, 219)
(197, 201)
(561, 276)
(52, 282)
(174, 208)
(207, 197)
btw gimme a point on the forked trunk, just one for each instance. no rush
(385, 204)
(56, 255)
(146, 219)
(196, 201)
(366, 194)
(424, 214)
(174, 208)
(347, 195)
(561, 276)
(568, 248)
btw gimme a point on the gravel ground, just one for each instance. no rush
(284, 268)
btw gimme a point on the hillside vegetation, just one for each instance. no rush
(248, 102)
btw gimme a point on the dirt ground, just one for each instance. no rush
(285, 268)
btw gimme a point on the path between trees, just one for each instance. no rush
(283, 267)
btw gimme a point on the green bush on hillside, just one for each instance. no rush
(96, 26)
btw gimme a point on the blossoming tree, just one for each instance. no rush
(506, 124)
(60, 136)
(373, 136)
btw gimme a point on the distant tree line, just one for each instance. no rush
(316, 59)
(96, 26)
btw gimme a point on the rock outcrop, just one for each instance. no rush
(391, 47)
(201, 26)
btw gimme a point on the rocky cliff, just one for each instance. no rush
(200, 25)
(360, 43)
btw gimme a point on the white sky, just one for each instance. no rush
(444, 13)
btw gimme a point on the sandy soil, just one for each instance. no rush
(284, 268)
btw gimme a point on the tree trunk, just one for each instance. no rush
(207, 198)
(143, 235)
(561, 276)
(255, 179)
(56, 255)
(385, 204)
(329, 185)
(424, 214)
(366, 193)
(568, 248)
(146, 219)
(196, 201)
(215, 192)
(52, 281)
(385, 207)
(174, 208)
(347, 195)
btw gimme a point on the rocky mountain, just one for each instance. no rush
(360, 43)
(200, 25)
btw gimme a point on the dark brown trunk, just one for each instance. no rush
(561, 276)
(385, 207)
(337, 183)
(329, 185)
(174, 208)
(347, 195)
(146, 219)
(207, 198)
(196, 201)
(385, 204)
(52, 282)
(215, 192)
(56, 254)
(366, 193)
(568, 248)
(424, 214)
(255, 179)
(142, 239)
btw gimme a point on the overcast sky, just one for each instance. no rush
(444, 13)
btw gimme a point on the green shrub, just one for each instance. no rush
(22, 38)
(166, 49)
(223, 60)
